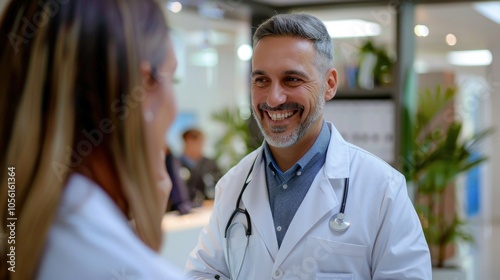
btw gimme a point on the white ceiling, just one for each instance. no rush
(473, 30)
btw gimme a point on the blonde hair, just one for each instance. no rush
(67, 68)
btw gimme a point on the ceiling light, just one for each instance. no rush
(245, 52)
(175, 7)
(421, 30)
(352, 28)
(470, 58)
(490, 10)
(451, 39)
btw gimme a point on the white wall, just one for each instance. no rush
(494, 80)
(204, 89)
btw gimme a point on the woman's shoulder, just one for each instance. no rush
(91, 239)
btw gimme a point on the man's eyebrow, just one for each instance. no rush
(295, 72)
(258, 72)
(284, 73)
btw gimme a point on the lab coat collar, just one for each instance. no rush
(319, 200)
(337, 157)
(256, 202)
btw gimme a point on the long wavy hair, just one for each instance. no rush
(70, 69)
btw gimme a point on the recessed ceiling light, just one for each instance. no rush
(174, 7)
(490, 10)
(352, 28)
(245, 52)
(470, 58)
(421, 30)
(451, 39)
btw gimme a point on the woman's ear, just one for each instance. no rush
(331, 84)
(149, 75)
(145, 69)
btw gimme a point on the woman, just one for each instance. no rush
(86, 98)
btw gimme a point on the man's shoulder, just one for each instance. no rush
(239, 171)
(364, 159)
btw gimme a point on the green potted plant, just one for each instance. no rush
(237, 140)
(438, 154)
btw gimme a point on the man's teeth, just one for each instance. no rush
(279, 116)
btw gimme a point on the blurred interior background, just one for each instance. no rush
(387, 52)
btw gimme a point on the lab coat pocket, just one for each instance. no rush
(333, 256)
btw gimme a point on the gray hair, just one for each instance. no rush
(303, 26)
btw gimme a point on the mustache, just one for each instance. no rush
(286, 106)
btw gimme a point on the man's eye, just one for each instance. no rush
(293, 81)
(260, 81)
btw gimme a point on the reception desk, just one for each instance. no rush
(180, 233)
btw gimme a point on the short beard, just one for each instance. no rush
(285, 141)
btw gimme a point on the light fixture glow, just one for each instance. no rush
(420, 66)
(206, 57)
(470, 58)
(174, 7)
(245, 52)
(352, 28)
(421, 30)
(490, 10)
(451, 39)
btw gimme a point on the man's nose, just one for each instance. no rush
(276, 95)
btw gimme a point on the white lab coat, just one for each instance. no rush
(385, 239)
(90, 238)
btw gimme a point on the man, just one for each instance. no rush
(199, 172)
(296, 185)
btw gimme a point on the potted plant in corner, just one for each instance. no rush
(438, 154)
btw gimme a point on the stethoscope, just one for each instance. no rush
(339, 222)
(230, 225)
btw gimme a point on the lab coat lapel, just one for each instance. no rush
(319, 201)
(256, 201)
(321, 197)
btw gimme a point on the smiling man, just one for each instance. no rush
(306, 204)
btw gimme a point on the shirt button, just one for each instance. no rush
(285, 186)
(278, 273)
(299, 173)
(278, 228)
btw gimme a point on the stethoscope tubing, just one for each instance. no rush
(238, 209)
(344, 196)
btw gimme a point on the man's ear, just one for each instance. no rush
(331, 84)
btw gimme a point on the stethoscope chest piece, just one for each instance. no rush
(340, 222)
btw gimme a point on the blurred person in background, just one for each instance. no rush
(179, 196)
(200, 172)
(86, 99)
